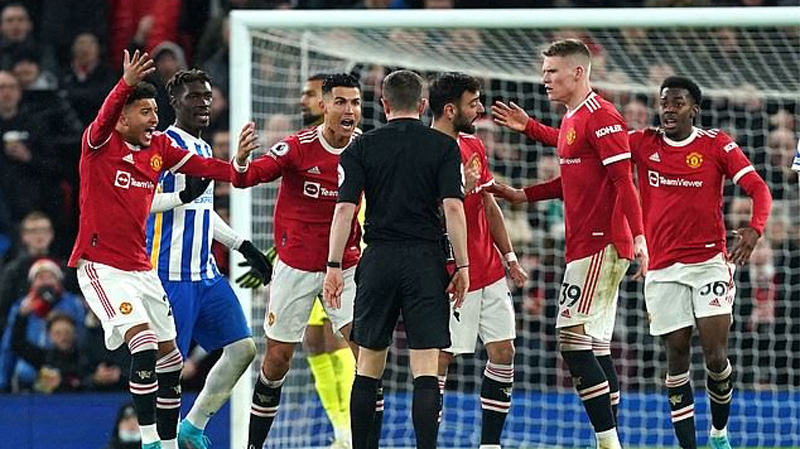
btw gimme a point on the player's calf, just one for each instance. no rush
(591, 384)
(681, 404)
(143, 381)
(168, 402)
(720, 393)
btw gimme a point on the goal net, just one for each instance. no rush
(747, 63)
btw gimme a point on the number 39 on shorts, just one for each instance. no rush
(570, 294)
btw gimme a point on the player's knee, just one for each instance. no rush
(241, 351)
(314, 343)
(717, 360)
(501, 352)
(278, 359)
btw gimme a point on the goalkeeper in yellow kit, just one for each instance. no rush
(329, 356)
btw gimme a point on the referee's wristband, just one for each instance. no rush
(334, 264)
(510, 257)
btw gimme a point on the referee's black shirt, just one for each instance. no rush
(404, 169)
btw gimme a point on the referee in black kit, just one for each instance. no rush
(406, 170)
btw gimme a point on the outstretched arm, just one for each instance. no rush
(514, 117)
(620, 173)
(135, 69)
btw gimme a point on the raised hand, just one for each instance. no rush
(510, 115)
(248, 142)
(746, 239)
(137, 67)
(194, 188)
(508, 193)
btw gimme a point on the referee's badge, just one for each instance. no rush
(340, 172)
(279, 149)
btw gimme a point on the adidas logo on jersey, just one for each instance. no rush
(714, 302)
(129, 159)
(314, 170)
(655, 157)
(566, 314)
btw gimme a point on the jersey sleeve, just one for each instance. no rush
(608, 134)
(99, 131)
(177, 160)
(732, 159)
(351, 174)
(281, 157)
(540, 132)
(450, 176)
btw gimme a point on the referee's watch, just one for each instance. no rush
(334, 264)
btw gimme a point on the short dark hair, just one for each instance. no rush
(681, 82)
(403, 90)
(317, 77)
(184, 77)
(140, 91)
(59, 316)
(568, 47)
(448, 87)
(339, 80)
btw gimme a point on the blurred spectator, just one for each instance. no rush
(781, 146)
(36, 236)
(16, 36)
(27, 346)
(782, 119)
(61, 21)
(169, 58)
(144, 24)
(636, 114)
(219, 111)
(125, 434)
(27, 68)
(88, 79)
(213, 52)
(278, 127)
(29, 162)
(108, 370)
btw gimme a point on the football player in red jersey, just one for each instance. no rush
(122, 157)
(601, 213)
(307, 163)
(681, 172)
(488, 311)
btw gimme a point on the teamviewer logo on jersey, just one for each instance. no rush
(653, 178)
(123, 179)
(311, 189)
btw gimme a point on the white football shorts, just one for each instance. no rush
(677, 295)
(590, 291)
(123, 299)
(487, 313)
(292, 293)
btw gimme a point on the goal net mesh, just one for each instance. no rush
(751, 84)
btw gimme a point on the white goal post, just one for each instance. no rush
(419, 40)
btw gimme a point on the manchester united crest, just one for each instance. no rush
(694, 159)
(271, 318)
(476, 163)
(571, 136)
(126, 308)
(156, 162)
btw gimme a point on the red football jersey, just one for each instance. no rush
(118, 181)
(590, 137)
(681, 188)
(485, 265)
(306, 199)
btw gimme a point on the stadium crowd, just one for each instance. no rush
(59, 59)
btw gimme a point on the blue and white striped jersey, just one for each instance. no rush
(179, 239)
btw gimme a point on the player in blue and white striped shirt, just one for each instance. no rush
(180, 231)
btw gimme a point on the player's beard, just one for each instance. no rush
(309, 118)
(462, 124)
